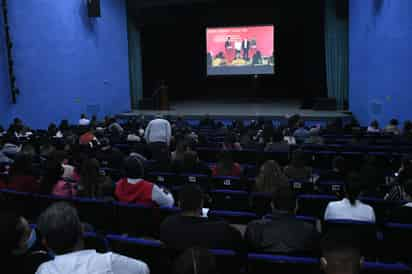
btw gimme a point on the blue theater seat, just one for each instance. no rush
(397, 238)
(229, 182)
(230, 200)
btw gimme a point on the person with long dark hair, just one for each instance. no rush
(53, 183)
(270, 178)
(350, 208)
(92, 183)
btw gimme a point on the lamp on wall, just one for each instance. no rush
(13, 81)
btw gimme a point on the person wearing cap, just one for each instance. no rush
(133, 189)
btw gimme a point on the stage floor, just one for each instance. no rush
(240, 109)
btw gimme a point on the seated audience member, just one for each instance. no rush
(83, 120)
(10, 149)
(393, 127)
(191, 164)
(52, 130)
(373, 127)
(270, 178)
(195, 261)
(190, 229)
(301, 133)
(276, 143)
(21, 176)
(53, 183)
(109, 156)
(282, 232)
(335, 127)
(350, 208)
(403, 175)
(158, 132)
(297, 170)
(62, 157)
(372, 176)
(46, 150)
(92, 183)
(89, 138)
(338, 172)
(134, 189)
(403, 214)
(314, 137)
(62, 232)
(114, 127)
(340, 254)
(21, 248)
(407, 130)
(181, 148)
(230, 142)
(226, 166)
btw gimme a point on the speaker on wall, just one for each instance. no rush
(93, 8)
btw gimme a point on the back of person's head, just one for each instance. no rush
(225, 161)
(12, 232)
(407, 126)
(53, 173)
(298, 159)
(83, 116)
(353, 187)
(195, 261)
(22, 165)
(340, 253)
(408, 189)
(133, 167)
(301, 124)
(89, 174)
(60, 228)
(338, 163)
(270, 177)
(394, 122)
(375, 124)
(64, 125)
(284, 199)
(191, 198)
(190, 158)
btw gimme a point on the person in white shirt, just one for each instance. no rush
(158, 130)
(374, 127)
(83, 120)
(62, 232)
(350, 208)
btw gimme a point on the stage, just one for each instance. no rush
(239, 109)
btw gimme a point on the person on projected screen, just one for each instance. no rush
(238, 48)
(228, 43)
(246, 48)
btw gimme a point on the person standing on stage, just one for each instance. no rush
(228, 43)
(238, 48)
(246, 47)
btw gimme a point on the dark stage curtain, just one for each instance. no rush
(135, 63)
(336, 51)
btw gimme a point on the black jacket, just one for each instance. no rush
(282, 233)
(181, 232)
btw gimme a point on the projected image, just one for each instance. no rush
(240, 50)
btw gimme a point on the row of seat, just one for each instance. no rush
(138, 220)
(160, 259)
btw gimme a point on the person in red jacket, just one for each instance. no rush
(134, 189)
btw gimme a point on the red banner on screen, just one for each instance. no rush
(261, 39)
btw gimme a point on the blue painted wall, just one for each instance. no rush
(65, 62)
(380, 59)
(5, 97)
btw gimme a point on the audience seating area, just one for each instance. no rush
(232, 199)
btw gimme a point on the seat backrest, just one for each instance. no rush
(152, 252)
(364, 232)
(199, 179)
(385, 268)
(396, 236)
(229, 200)
(136, 220)
(314, 205)
(268, 264)
(168, 179)
(228, 182)
(233, 217)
